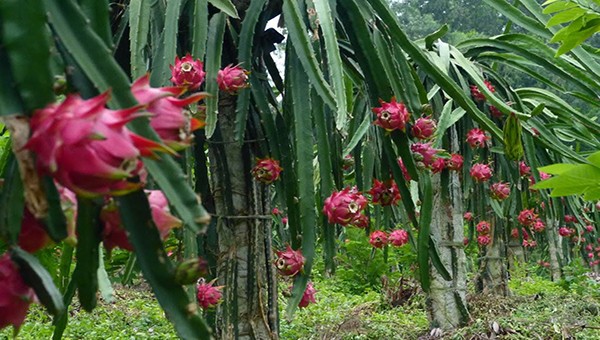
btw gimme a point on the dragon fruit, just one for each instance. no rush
(15, 295)
(392, 116)
(170, 118)
(398, 237)
(527, 217)
(405, 173)
(565, 232)
(468, 216)
(524, 170)
(378, 239)
(208, 295)
(476, 93)
(438, 165)
(362, 221)
(477, 138)
(500, 190)
(87, 148)
(480, 172)
(424, 128)
(385, 193)
(308, 297)
(424, 154)
(343, 207)
(187, 72)
(495, 112)
(266, 170)
(484, 240)
(289, 262)
(232, 79)
(538, 226)
(483, 227)
(455, 162)
(33, 235)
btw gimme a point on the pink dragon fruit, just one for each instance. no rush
(266, 170)
(455, 162)
(289, 262)
(565, 232)
(527, 217)
(476, 93)
(484, 240)
(424, 154)
(391, 116)
(171, 121)
(480, 172)
(538, 226)
(347, 162)
(308, 297)
(378, 239)
(515, 233)
(87, 148)
(468, 216)
(495, 112)
(33, 235)
(284, 220)
(589, 228)
(187, 72)
(438, 165)
(275, 211)
(113, 233)
(343, 207)
(15, 295)
(544, 176)
(570, 219)
(524, 170)
(500, 190)
(424, 128)
(362, 221)
(529, 243)
(208, 295)
(398, 237)
(483, 227)
(385, 193)
(477, 138)
(232, 79)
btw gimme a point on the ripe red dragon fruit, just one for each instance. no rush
(527, 217)
(589, 247)
(483, 227)
(424, 154)
(480, 172)
(570, 219)
(455, 162)
(232, 79)
(405, 173)
(87, 148)
(398, 237)
(15, 295)
(187, 72)
(544, 176)
(524, 170)
(538, 226)
(484, 240)
(391, 116)
(438, 165)
(170, 118)
(114, 234)
(308, 297)
(266, 170)
(565, 232)
(500, 190)
(385, 193)
(424, 128)
(33, 235)
(284, 220)
(515, 233)
(468, 216)
(476, 93)
(589, 228)
(378, 239)
(495, 112)
(477, 138)
(343, 207)
(289, 262)
(275, 211)
(347, 162)
(362, 221)
(208, 295)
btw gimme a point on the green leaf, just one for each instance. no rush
(38, 278)
(168, 46)
(10, 100)
(565, 16)
(24, 21)
(12, 202)
(104, 286)
(226, 6)
(434, 255)
(200, 33)
(55, 220)
(214, 50)
(557, 169)
(301, 43)
(334, 61)
(88, 240)
(431, 38)
(424, 234)
(139, 27)
(158, 269)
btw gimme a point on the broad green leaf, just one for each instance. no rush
(557, 169)
(226, 6)
(565, 16)
(558, 6)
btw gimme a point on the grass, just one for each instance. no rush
(537, 309)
